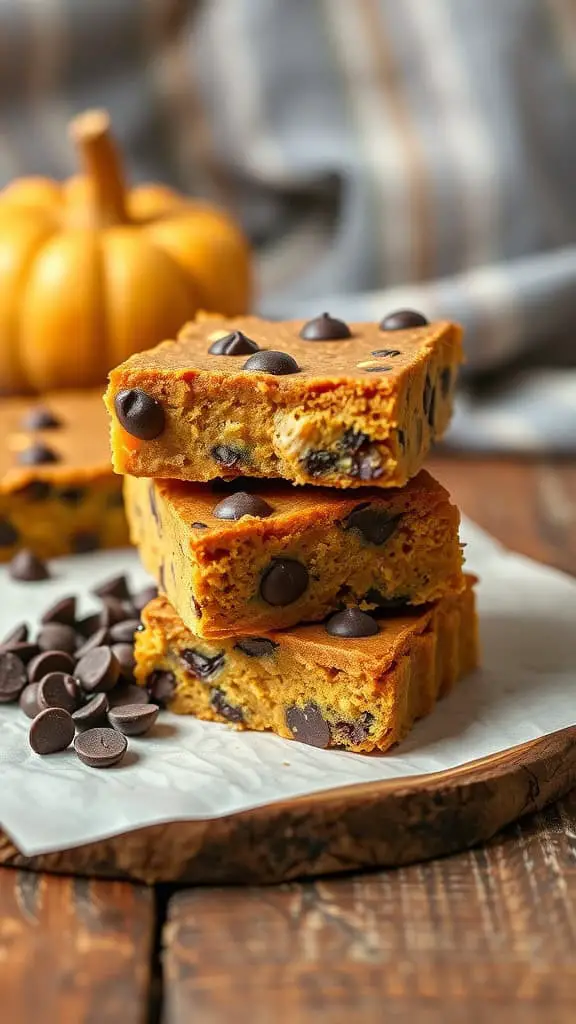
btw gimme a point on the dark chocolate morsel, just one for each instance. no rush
(355, 732)
(27, 567)
(8, 534)
(56, 636)
(385, 353)
(352, 623)
(98, 671)
(124, 653)
(376, 525)
(143, 597)
(28, 700)
(63, 611)
(84, 542)
(325, 328)
(161, 686)
(49, 661)
(234, 344)
(24, 649)
(13, 677)
(98, 639)
(128, 693)
(256, 646)
(203, 666)
(319, 463)
(227, 456)
(115, 586)
(269, 361)
(283, 582)
(17, 635)
(123, 632)
(240, 504)
(51, 731)
(91, 714)
(403, 320)
(40, 418)
(100, 748)
(352, 441)
(221, 706)
(308, 726)
(37, 454)
(140, 414)
(58, 690)
(133, 719)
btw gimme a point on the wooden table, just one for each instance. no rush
(488, 935)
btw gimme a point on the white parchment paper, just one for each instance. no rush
(188, 769)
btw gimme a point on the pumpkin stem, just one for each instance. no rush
(99, 154)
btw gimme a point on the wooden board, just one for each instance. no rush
(378, 824)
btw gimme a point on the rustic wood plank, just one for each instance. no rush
(74, 951)
(485, 936)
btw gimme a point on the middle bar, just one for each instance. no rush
(252, 556)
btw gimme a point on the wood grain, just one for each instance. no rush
(486, 936)
(74, 951)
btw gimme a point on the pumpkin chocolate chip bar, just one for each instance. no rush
(58, 494)
(354, 682)
(261, 555)
(322, 402)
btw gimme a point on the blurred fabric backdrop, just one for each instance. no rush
(380, 153)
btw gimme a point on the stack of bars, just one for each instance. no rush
(309, 571)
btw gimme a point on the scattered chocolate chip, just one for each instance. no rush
(28, 700)
(63, 611)
(308, 726)
(84, 542)
(256, 646)
(277, 363)
(325, 328)
(352, 623)
(352, 441)
(55, 636)
(51, 731)
(13, 677)
(445, 381)
(90, 624)
(128, 693)
(37, 454)
(283, 582)
(8, 534)
(40, 418)
(58, 690)
(134, 719)
(112, 612)
(319, 463)
(143, 597)
(124, 653)
(385, 353)
(199, 526)
(36, 490)
(98, 671)
(376, 369)
(141, 415)
(402, 320)
(91, 714)
(227, 456)
(17, 635)
(375, 525)
(72, 495)
(26, 567)
(220, 705)
(235, 506)
(116, 586)
(24, 650)
(203, 666)
(356, 732)
(234, 344)
(161, 686)
(49, 661)
(100, 748)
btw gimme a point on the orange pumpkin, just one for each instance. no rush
(91, 272)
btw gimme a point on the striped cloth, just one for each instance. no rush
(381, 153)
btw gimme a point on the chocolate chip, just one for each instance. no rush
(199, 526)
(100, 748)
(112, 611)
(376, 525)
(51, 731)
(203, 666)
(40, 418)
(385, 353)
(445, 381)
(234, 344)
(134, 719)
(28, 700)
(319, 463)
(92, 714)
(55, 636)
(376, 369)
(27, 568)
(91, 623)
(283, 582)
(308, 726)
(8, 534)
(161, 686)
(17, 635)
(72, 495)
(37, 454)
(143, 597)
(235, 506)
(36, 490)
(402, 320)
(325, 328)
(355, 732)
(220, 705)
(84, 542)
(63, 611)
(24, 650)
(124, 653)
(141, 415)
(58, 690)
(98, 639)
(227, 456)
(116, 586)
(256, 646)
(13, 677)
(123, 632)
(98, 671)
(49, 661)
(128, 693)
(352, 623)
(352, 441)
(277, 363)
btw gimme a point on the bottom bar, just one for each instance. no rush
(359, 693)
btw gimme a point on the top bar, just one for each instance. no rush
(251, 397)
